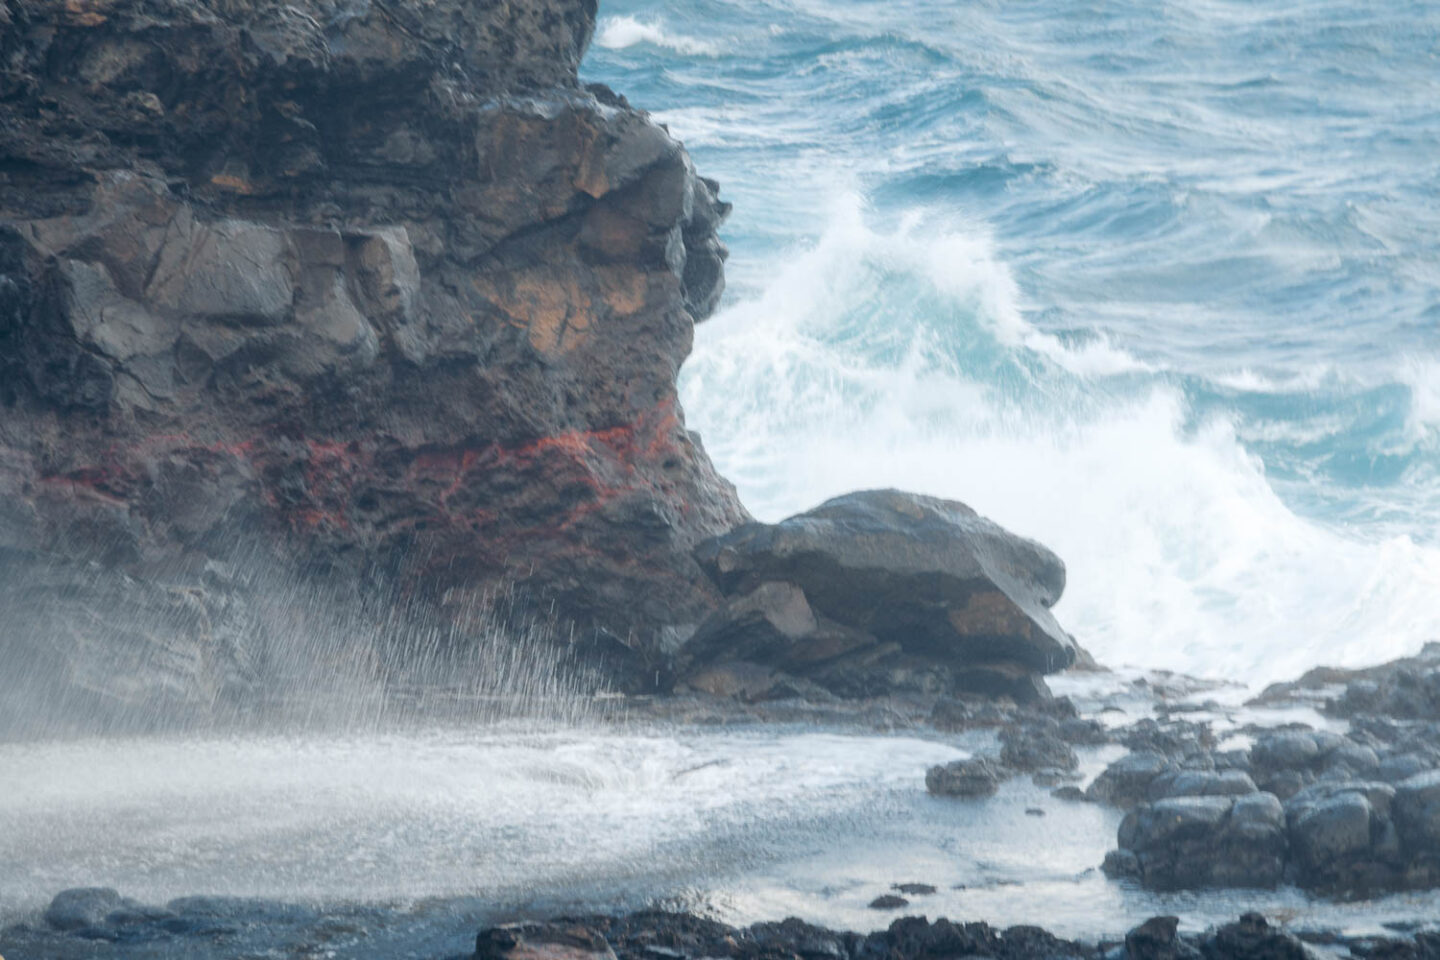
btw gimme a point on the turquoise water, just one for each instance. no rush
(1156, 283)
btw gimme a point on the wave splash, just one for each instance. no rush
(905, 359)
(620, 33)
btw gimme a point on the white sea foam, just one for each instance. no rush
(618, 33)
(905, 360)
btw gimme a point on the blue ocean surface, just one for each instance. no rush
(1156, 283)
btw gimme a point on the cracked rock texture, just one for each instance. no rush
(374, 296)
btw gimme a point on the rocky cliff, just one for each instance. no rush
(370, 295)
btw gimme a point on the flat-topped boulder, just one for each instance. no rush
(883, 590)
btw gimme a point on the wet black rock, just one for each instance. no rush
(84, 907)
(883, 591)
(1326, 812)
(1183, 742)
(1029, 750)
(554, 941)
(1342, 837)
(1288, 760)
(220, 928)
(977, 777)
(1158, 939)
(1126, 782)
(1186, 842)
(1200, 783)
(1252, 938)
(888, 901)
(1404, 689)
(915, 889)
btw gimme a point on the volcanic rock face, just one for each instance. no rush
(880, 591)
(366, 293)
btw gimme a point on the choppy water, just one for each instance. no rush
(1157, 283)
(452, 829)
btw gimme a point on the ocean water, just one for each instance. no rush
(1156, 283)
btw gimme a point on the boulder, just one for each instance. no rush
(83, 907)
(1286, 761)
(1200, 783)
(542, 941)
(1031, 750)
(1252, 938)
(977, 777)
(1332, 838)
(1126, 782)
(1185, 842)
(883, 590)
(1158, 939)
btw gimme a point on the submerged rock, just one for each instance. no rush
(880, 591)
(888, 901)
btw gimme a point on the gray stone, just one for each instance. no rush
(1286, 750)
(1185, 842)
(1417, 810)
(909, 593)
(83, 907)
(977, 777)
(1127, 781)
(1331, 829)
(1201, 783)
(1401, 766)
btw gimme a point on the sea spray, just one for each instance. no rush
(904, 359)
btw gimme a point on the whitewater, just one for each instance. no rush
(1157, 284)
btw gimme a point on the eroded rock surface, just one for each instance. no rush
(884, 591)
(1346, 815)
(363, 293)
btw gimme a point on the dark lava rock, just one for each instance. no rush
(1252, 938)
(261, 928)
(533, 941)
(1335, 833)
(1203, 841)
(83, 907)
(1405, 689)
(888, 901)
(1184, 742)
(915, 889)
(1341, 837)
(343, 295)
(1126, 782)
(1287, 761)
(1028, 749)
(916, 937)
(1158, 939)
(977, 777)
(881, 591)
(1200, 783)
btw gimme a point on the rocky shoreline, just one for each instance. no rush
(1191, 796)
(338, 341)
(99, 922)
